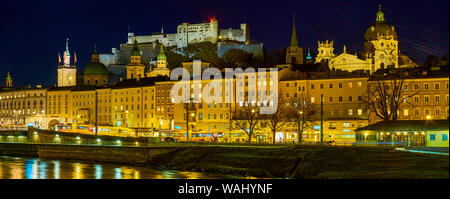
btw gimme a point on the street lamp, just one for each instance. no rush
(428, 117)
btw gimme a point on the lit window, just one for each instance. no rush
(405, 112)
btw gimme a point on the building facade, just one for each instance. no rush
(23, 107)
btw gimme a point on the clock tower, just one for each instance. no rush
(67, 73)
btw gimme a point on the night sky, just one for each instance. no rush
(32, 33)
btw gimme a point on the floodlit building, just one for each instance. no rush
(338, 86)
(381, 50)
(405, 133)
(23, 107)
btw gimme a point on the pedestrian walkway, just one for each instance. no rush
(422, 151)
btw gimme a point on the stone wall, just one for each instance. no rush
(137, 156)
(256, 49)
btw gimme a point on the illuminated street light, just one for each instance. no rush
(428, 117)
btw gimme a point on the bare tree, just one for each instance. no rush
(247, 119)
(277, 120)
(385, 96)
(302, 114)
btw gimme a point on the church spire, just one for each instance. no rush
(380, 14)
(67, 46)
(95, 57)
(309, 55)
(294, 42)
(66, 55)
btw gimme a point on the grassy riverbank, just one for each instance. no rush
(303, 162)
(306, 163)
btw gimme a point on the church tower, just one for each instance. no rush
(135, 69)
(8, 81)
(294, 54)
(325, 51)
(161, 64)
(67, 74)
(381, 43)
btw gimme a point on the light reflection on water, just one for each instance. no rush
(36, 168)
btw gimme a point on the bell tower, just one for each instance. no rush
(67, 73)
(294, 54)
(135, 69)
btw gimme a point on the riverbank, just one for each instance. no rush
(303, 162)
(307, 162)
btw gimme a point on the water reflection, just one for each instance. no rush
(118, 173)
(42, 168)
(56, 169)
(98, 171)
(78, 171)
(36, 168)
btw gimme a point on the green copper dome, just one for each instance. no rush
(161, 54)
(95, 67)
(135, 51)
(380, 27)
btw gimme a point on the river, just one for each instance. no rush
(13, 167)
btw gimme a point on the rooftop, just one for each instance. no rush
(407, 125)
